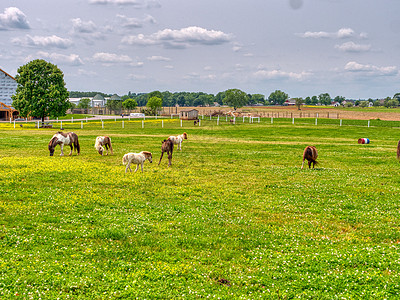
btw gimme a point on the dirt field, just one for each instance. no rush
(308, 112)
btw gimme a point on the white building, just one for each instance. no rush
(8, 86)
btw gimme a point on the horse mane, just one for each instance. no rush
(62, 133)
(146, 153)
(53, 142)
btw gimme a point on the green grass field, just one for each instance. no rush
(234, 217)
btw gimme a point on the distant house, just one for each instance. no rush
(289, 102)
(7, 112)
(192, 114)
(8, 86)
(335, 104)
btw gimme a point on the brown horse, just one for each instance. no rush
(61, 138)
(103, 141)
(167, 146)
(310, 153)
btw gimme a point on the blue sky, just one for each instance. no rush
(302, 47)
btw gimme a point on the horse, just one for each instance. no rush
(103, 141)
(60, 138)
(136, 158)
(310, 153)
(177, 140)
(167, 146)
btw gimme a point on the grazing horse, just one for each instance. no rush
(311, 154)
(177, 140)
(61, 138)
(136, 158)
(167, 146)
(103, 141)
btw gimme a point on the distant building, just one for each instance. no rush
(192, 114)
(8, 86)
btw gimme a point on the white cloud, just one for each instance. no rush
(13, 18)
(105, 57)
(180, 38)
(371, 69)
(43, 41)
(277, 74)
(80, 26)
(136, 3)
(340, 34)
(353, 47)
(134, 22)
(72, 59)
(158, 58)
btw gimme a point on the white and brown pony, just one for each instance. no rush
(177, 140)
(167, 146)
(310, 153)
(68, 139)
(136, 158)
(103, 141)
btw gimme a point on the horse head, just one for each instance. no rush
(52, 145)
(101, 150)
(148, 156)
(185, 135)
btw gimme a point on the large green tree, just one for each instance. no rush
(129, 104)
(278, 97)
(324, 99)
(155, 104)
(235, 98)
(40, 90)
(84, 103)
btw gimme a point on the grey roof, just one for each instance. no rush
(98, 97)
(115, 97)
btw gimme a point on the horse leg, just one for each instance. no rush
(302, 165)
(137, 167)
(162, 153)
(128, 166)
(169, 159)
(62, 149)
(309, 164)
(106, 146)
(142, 166)
(70, 153)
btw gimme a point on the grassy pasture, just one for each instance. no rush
(234, 217)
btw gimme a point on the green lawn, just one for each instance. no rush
(234, 217)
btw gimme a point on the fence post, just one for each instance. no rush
(38, 124)
(210, 117)
(102, 124)
(368, 123)
(316, 121)
(162, 123)
(86, 119)
(217, 121)
(272, 120)
(258, 119)
(292, 120)
(10, 120)
(81, 124)
(123, 124)
(72, 119)
(340, 122)
(181, 122)
(142, 123)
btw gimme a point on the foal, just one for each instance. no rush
(311, 154)
(136, 158)
(177, 140)
(167, 146)
(103, 141)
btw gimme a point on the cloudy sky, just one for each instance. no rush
(349, 48)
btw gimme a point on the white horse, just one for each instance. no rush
(136, 158)
(103, 141)
(61, 138)
(177, 140)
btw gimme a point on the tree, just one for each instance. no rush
(129, 104)
(363, 104)
(299, 103)
(235, 98)
(314, 100)
(397, 96)
(154, 103)
(278, 97)
(325, 99)
(84, 103)
(40, 90)
(339, 99)
(308, 101)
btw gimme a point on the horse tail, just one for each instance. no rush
(110, 145)
(76, 142)
(398, 150)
